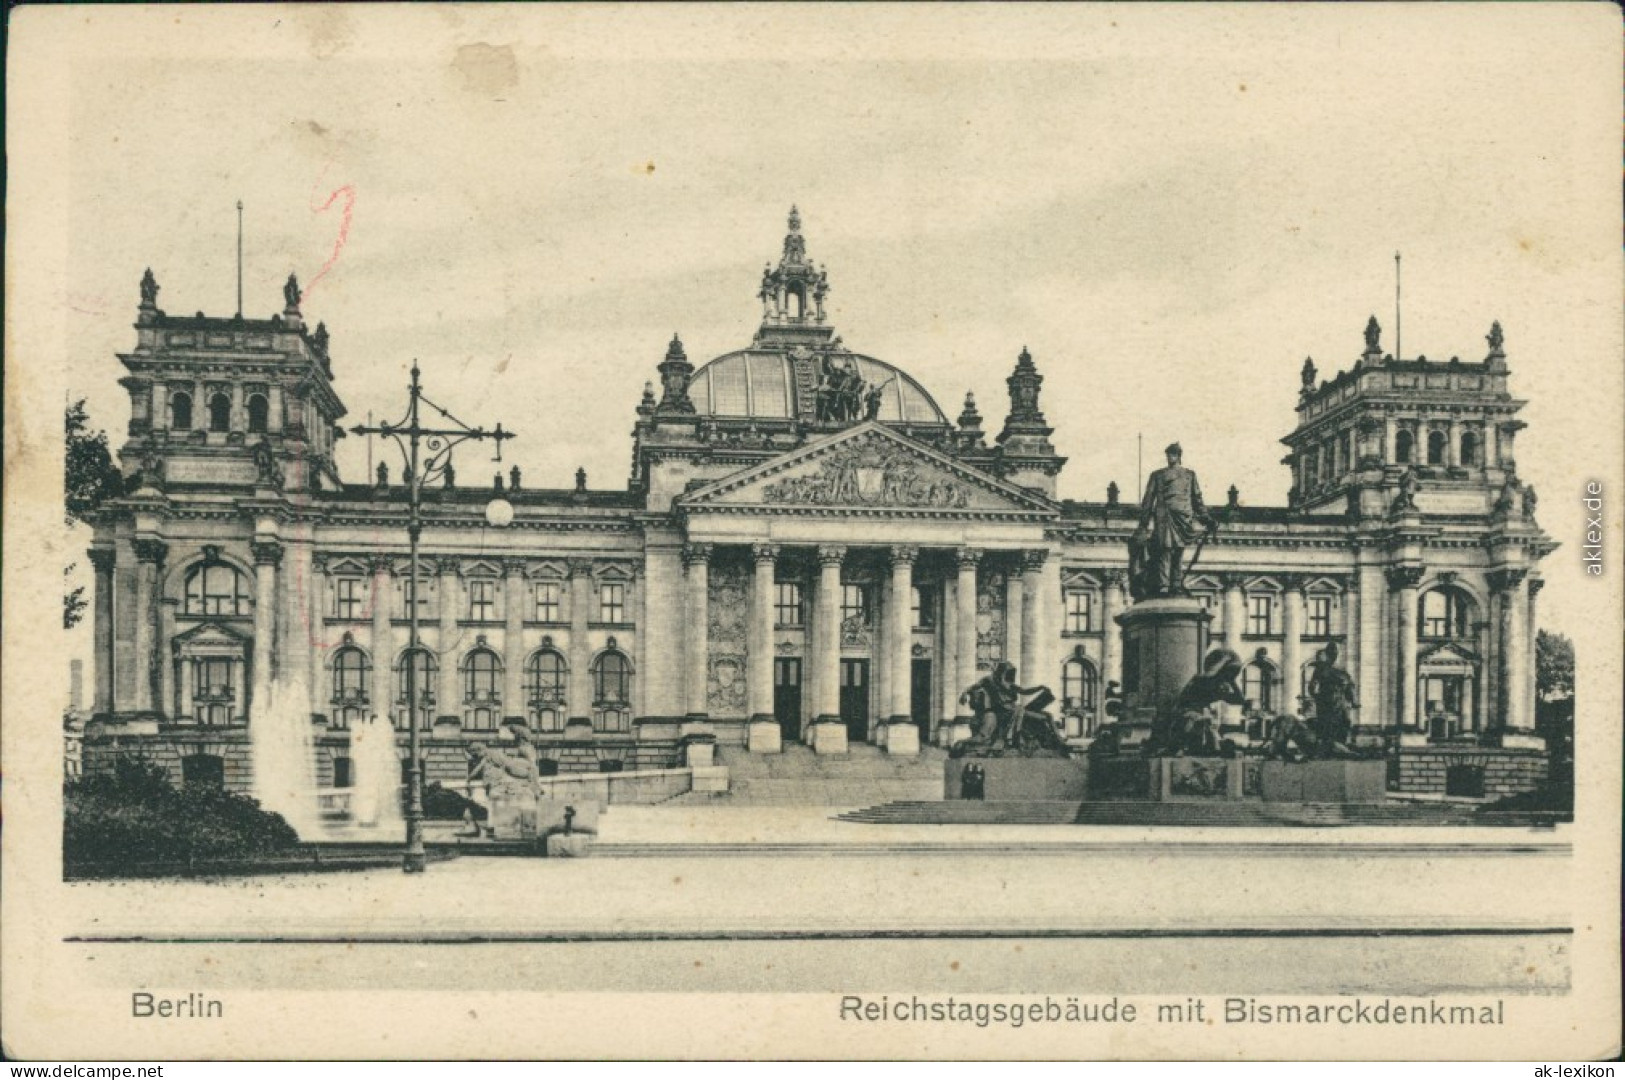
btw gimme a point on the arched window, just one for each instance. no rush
(259, 413)
(546, 682)
(1311, 468)
(415, 673)
(1469, 448)
(217, 589)
(1404, 444)
(1080, 691)
(1446, 614)
(1436, 444)
(482, 689)
(794, 303)
(180, 411)
(612, 691)
(350, 671)
(1258, 686)
(219, 413)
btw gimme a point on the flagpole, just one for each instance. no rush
(1399, 352)
(239, 258)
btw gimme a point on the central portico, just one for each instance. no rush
(845, 591)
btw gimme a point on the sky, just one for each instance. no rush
(1170, 206)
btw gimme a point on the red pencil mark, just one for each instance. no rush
(347, 193)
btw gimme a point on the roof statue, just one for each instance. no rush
(149, 289)
(291, 293)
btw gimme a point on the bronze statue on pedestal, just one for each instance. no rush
(1172, 517)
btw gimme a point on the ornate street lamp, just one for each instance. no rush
(413, 438)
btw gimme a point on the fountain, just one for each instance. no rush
(376, 800)
(284, 756)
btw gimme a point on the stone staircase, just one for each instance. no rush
(864, 776)
(1235, 813)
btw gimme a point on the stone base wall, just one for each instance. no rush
(445, 759)
(1470, 771)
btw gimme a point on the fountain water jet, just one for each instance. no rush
(376, 765)
(284, 755)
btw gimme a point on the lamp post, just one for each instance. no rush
(412, 437)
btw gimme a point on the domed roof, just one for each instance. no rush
(763, 384)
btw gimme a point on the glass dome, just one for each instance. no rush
(750, 385)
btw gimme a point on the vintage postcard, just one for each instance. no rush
(827, 531)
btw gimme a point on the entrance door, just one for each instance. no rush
(919, 698)
(855, 699)
(787, 696)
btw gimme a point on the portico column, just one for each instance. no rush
(579, 688)
(900, 632)
(1033, 671)
(1049, 620)
(1403, 580)
(759, 633)
(151, 554)
(1532, 698)
(1292, 643)
(1014, 616)
(1514, 649)
(513, 640)
(1367, 629)
(827, 684)
(267, 557)
(449, 698)
(696, 626)
(102, 560)
(947, 671)
(966, 624)
(383, 639)
(1111, 635)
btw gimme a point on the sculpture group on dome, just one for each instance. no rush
(843, 395)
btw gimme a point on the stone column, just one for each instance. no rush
(696, 627)
(965, 625)
(1034, 670)
(947, 670)
(827, 654)
(513, 641)
(1402, 581)
(151, 554)
(383, 640)
(578, 692)
(1292, 643)
(1233, 615)
(166, 703)
(1516, 676)
(1532, 698)
(267, 557)
(187, 676)
(1368, 629)
(449, 694)
(1049, 622)
(1390, 431)
(1111, 635)
(102, 559)
(1015, 620)
(764, 735)
(902, 737)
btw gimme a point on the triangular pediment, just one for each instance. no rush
(1448, 655)
(869, 469)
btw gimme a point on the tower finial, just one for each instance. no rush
(795, 219)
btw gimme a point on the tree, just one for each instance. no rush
(1554, 666)
(91, 479)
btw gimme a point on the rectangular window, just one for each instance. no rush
(1079, 611)
(1320, 616)
(349, 597)
(425, 595)
(787, 605)
(547, 601)
(855, 603)
(482, 600)
(612, 602)
(925, 608)
(1260, 610)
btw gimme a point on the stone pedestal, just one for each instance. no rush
(828, 737)
(572, 846)
(1324, 781)
(1018, 779)
(1413, 737)
(902, 739)
(951, 734)
(1180, 779)
(577, 728)
(699, 751)
(710, 779)
(764, 737)
(1163, 643)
